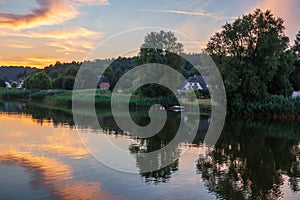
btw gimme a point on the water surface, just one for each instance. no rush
(42, 157)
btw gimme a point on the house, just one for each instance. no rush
(20, 83)
(296, 94)
(194, 82)
(104, 83)
(14, 84)
(8, 85)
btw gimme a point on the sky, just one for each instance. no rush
(38, 33)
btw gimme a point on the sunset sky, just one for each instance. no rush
(40, 32)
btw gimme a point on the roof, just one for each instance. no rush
(197, 79)
(103, 79)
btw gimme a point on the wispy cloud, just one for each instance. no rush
(73, 43)
(198, 13)
(48, 12)
(70, 40)
(93, 2)
(14, 44)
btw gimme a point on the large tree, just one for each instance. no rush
(253, 57)
(161, 48)
(38, 81)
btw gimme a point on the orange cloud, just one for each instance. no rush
(72, 42)
(14, 44)
(48, 12)
(75, 40)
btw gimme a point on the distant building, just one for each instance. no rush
(104, 83)
(7, 84)
(20, 83)
(16, 84)
(194, 82)
(296, 94)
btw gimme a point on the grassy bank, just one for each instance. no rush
(275, 107)
(103, 99)
(272, 106)
(22, 94)
(63, 98)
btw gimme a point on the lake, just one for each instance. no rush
(42, 156)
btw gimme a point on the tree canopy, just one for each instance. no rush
(160, 48)
(253, 57)
(37, 81)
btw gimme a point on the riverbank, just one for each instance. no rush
(274, 106)
(63, 98)
(269, 107)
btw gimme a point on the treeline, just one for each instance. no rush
(13, 73)
(62, 75)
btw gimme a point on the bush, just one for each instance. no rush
(39, 81)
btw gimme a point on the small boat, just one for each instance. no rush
(177, 108)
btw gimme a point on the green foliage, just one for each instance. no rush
(2, 83)
(162, 48)
(295, 76)
(281, 84)
(252, 56)
(14, 85)
(296, 50)
(15, 93)
(58, 82)
(87, 79)
(38, 81)
(62, 69)
(39, 95)
(191, 95)
(274, 105)
(15, 72)
(68, 83)
(27, 94)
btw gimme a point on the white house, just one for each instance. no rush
(8, 85)
(193, 82)
(296, 94)
(18, 84)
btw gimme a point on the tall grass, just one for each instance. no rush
(27, 94)
(275, 106)
(103, 99)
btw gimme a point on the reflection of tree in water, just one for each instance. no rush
(250, 159)
(39, 113)
(157, 142)
(160, 140)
